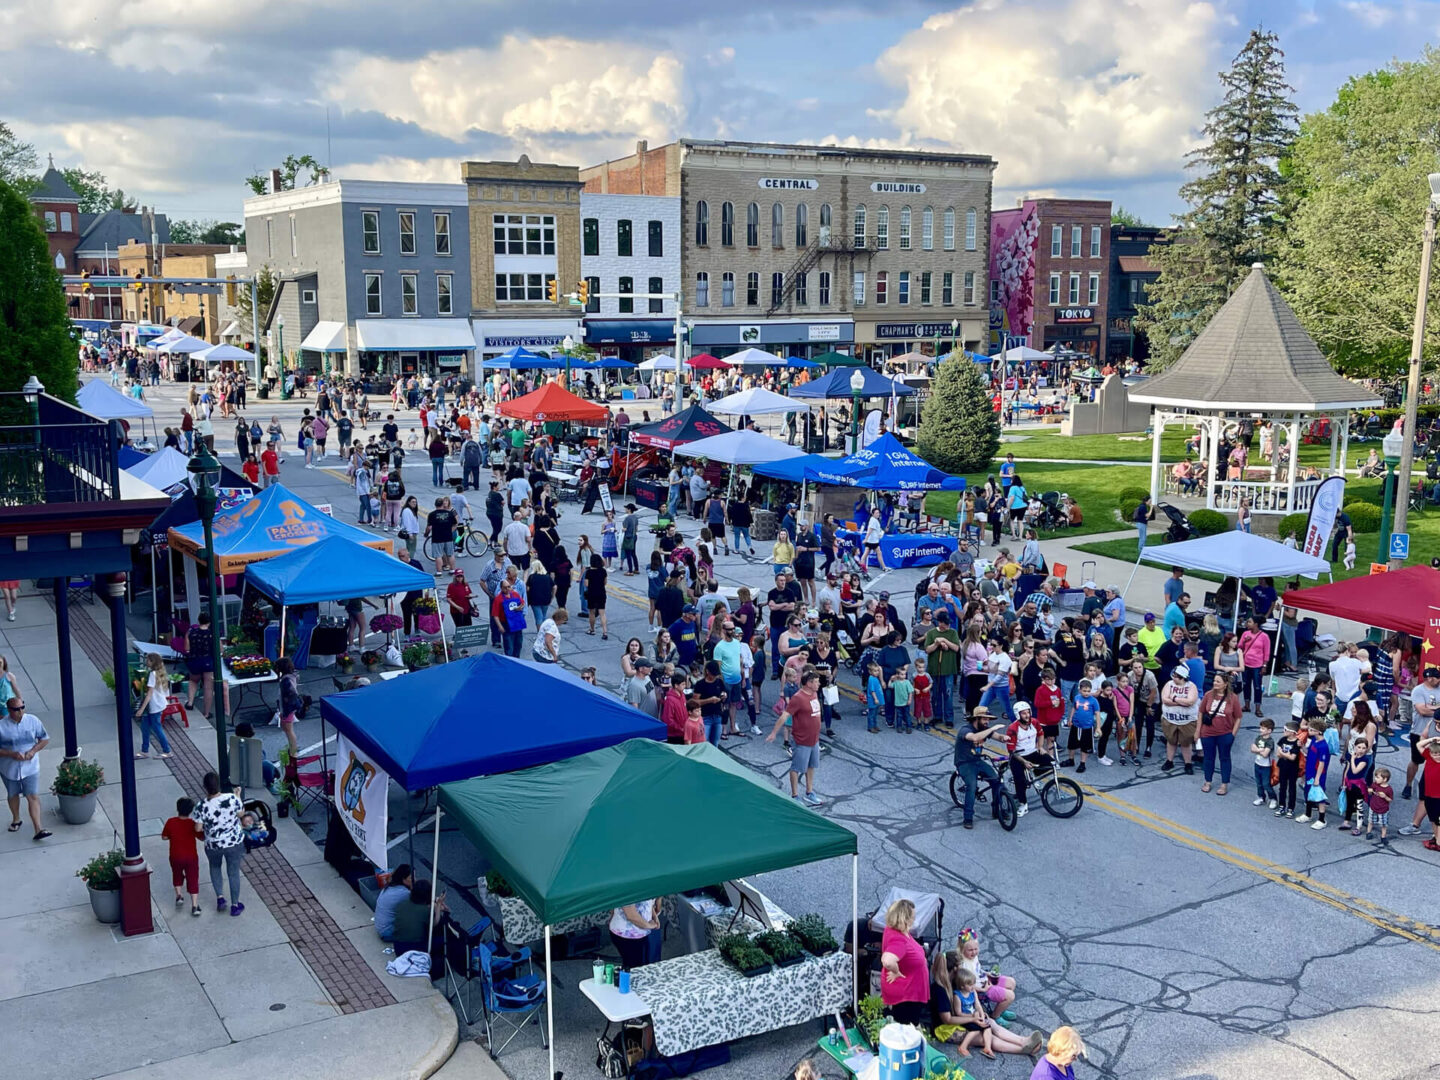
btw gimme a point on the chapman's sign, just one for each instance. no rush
(787, 183)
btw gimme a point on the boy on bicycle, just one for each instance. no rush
(1022, 738)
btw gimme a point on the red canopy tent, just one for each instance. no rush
(553, 402)
(706, 362)
(1402, 600)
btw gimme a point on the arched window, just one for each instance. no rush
(752, 225)
(970, 217)
(702, 223)
(802, 225)
(59, 260)
(927, 228)
(882, 232)
(727, 224)
(860, 226)
(949, 228)
(777, 226)
(904, 228)
(825, 215)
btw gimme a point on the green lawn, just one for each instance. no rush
(1095, 487)
(1049, 443)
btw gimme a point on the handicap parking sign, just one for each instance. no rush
(1399, 545)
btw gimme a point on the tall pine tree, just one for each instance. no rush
(34, 325)
(959, 428)
(1234, 198)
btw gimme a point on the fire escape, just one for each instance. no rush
(825, 243)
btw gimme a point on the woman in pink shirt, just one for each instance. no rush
(905, 973)
(1255, 655)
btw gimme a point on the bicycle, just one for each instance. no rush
(1060, 795)
(468, 541)
(1005, 806)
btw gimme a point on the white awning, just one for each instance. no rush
(232, 329)
(392, 335)
(326, 337)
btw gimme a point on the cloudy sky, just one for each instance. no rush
(177, 101)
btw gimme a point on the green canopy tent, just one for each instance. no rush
(838, 359)
(564, 834)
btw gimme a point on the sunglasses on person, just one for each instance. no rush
(16, 708)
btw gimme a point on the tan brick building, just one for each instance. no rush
(524, 232)
(801, 249)
(194, 313)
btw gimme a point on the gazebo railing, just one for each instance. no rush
(1266, 497)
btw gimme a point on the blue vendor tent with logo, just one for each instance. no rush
(837, 385)
(335, 568)
(884, 465)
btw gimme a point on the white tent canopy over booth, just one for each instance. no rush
(757, 401)
(1253, 361)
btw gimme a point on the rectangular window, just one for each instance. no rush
(657, 239)
(903, 291)
(970, 219)
(370, 231)
(882, 235)
(1094, 241)
(1074, 288)
(727, 289)
(905, 229)
(592, 302)
(727, 224)
(444, 305)
(858, 288)
(524, 234)
(442, 234)
(824, 288)
(372, 294)
(950, 229)
(623, 246)
(627, 306)
(1092, 295)
(860, 226)
(752, 289)
(307, 296)
(802, 289)
(994, 293)
(777, 289)
(968, 296)
(1056, 239)
(1054, 289)
(407, 232)
(590, 233)
(294, 244)
(702, 289)
(947, 289)
(521, 288)
(1075, 232)
(924, 286)
(927, 229)
(882, 286)
(657, 285)
(50, 225)
(409, 297)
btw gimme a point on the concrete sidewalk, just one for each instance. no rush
(212, 996)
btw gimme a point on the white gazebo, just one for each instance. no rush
(1253, 361)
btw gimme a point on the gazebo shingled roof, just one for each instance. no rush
(1254, 355)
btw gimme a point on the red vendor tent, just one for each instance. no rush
(553, 402)
(1396, 601)
(706, 362)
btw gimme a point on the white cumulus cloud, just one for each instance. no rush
(1059, 91)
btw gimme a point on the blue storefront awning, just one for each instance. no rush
(629, 331)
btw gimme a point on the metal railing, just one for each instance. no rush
(1266, 497)
(52, 453)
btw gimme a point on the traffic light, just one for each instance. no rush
(139, 280)
(582, 292)
(230, 290)
(84, 281)
(552, 290)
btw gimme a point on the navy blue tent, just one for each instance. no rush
(884, 465)
(128, 456)
(335, 568)
(481, 716)
(837, 385)
(605, 363)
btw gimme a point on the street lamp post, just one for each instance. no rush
(566, 346)
(954, 335)
(204, 471)
(857, 385)
(1417, 348)
(1394, 446)
(280, 349)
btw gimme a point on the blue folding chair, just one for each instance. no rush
(469, 944)
(509, 1003)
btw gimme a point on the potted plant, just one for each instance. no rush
(780, 947)
(345, 662)
(743, 955)
(496, 885)
(281, 787)
(385, 623)
(372, 660)
(871, 1018)
(813, 933)
(249, 667)
(416, 656)
(437, 652)
(102, 877)
(76, 783)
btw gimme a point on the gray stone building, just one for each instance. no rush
(802, 249)
(374, 276)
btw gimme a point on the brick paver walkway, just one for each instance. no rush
(350, 981)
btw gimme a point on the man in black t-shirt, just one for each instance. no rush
(390, 430)
(440, 531)
(780, 601)
(710, 692)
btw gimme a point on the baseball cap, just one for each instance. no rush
(1182, 670)
(1149, 616)
(688, 609)
(1432, 673)
(813, 613)
(884, 595)
(1089, 585)
(642, 662)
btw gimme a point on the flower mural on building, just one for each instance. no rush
(1012, 244)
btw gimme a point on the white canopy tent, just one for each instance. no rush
(183, 344)
(216, 354)
(663, 362)
(755, 358)
(743, 447)
(173, 334)
(1022, 353)
(162, 469)
(757, 401)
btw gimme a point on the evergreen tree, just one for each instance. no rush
(1234, 198)
(34, 327)
(959, 428)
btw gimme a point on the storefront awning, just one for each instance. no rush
(396, 335)
(326, 337)
(231, 329)
(629, 331)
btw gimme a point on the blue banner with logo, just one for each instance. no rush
(908, 549)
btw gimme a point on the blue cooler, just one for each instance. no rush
(901, 1053)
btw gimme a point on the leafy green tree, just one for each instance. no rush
(290, 169)
(34, 326)
(1356, 208)
(1234, 198)
(18, 160)
(959, 429)
(266, 281)
(96, 194)
(208, 231)
(1121, 216)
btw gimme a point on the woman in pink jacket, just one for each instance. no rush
(1255, 655)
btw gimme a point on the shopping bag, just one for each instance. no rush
(428, 624)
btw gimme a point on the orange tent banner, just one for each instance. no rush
(553, 402)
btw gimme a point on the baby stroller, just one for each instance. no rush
(849, 558)
(1180, 527)
(928, 930)
(1050, 516)
(261, 810)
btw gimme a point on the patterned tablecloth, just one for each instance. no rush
(699, 1000)
(521, 926)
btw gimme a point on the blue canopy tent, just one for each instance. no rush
(800, 362)
(335, 568)
(522, 359)
(837, 385)
(426, 728)
(884, 465)
(233, 490)
(605, 363)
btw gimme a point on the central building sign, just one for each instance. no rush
(787, 183)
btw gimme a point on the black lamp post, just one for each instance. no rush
(204, 471)
(857, 387)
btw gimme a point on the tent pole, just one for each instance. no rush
(1133, 571)
(1235, 616)
(434, 883)
(154, 596)
(550, 1004)
(855, 934)
(444, 646)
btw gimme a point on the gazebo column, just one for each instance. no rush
(1334, 434)
(1157, 425)
(1294, 463)
(1215, 422)
(1344, 440)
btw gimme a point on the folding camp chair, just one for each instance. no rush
(511, 1003)
(307, 786)
(467, 946)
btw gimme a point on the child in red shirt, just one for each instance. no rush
(181, 831)
(251, 469)
(921, 708)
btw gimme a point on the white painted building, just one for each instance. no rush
(630, 244)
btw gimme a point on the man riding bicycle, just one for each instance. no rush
(971, 765)
(1022, 738)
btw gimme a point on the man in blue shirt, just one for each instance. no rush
(1174, 585)
(686, 636)
(1175, 614)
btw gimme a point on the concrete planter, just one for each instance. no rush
(77, 809)
(106, 904)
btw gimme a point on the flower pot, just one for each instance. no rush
(283, 808)
(762, 969)
(77, 809)
(106, 904)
